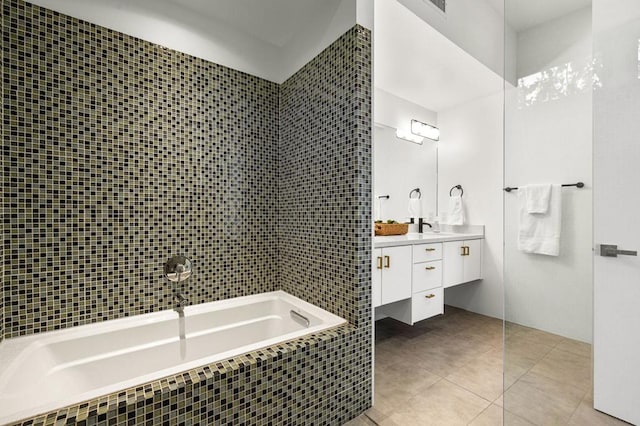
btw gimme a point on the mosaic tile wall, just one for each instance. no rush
(118, 154)
(170, 152)
(2, 178)
(324, 169)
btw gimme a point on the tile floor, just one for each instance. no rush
(448, 370)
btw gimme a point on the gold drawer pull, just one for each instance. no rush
(379, 265)
(387, 262)
(430, 296)
(430, 249)
(430, 268)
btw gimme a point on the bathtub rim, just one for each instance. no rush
(13, 348)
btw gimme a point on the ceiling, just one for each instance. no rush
(415, 62)
(274, 21)
(525, 14)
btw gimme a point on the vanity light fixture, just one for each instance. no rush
(425, 130)
(403, 134)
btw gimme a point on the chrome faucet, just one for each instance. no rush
(178, 269)
(181, 301)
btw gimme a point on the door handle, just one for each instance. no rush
(387, 261)
(610, 250)
(379, 265)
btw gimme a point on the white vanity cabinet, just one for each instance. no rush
(391, 274)
(409, 280)
(427, 298)
(463, 262)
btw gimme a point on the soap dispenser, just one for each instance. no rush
(435, 226)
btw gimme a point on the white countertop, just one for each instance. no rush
(424, 238)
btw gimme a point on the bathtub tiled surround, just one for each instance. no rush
(118, 153)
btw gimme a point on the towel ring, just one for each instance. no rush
(415, 190)
(456, 187)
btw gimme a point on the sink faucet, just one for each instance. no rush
(421, 224)
(181, 301)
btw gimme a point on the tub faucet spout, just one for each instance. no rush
(181, 301)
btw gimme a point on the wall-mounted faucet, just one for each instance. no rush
(178, 269)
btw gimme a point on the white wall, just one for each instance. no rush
(170, 24)
(549, 140)
(470, 154)
(476, 27)
(400, 166)
(397, 112)
(557, 42)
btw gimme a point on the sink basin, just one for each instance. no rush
(416, 235)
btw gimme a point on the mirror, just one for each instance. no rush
(400, 166)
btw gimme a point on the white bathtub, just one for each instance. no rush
(47, 371)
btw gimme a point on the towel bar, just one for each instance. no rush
(578, 185)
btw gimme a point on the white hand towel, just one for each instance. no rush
(456, 211)
(537, 197)
(415, 208)
(540, 232)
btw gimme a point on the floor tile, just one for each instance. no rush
(491, 416)
(575, 347)
(403, 381)
(565, 367)
(494, 415)
(441, 404)
(524, 353)
(482, 376)
(449, 370)
(541, 400)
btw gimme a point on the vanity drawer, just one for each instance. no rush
(427, 304)
(427, 252)
(426, 275)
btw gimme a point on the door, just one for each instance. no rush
(376, 278)
(473, 260)
(453, 258)
(396, 274)
(616, 124)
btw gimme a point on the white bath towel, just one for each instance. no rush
(537, 197)
(456, 211)
(540, 232)
(415, 208)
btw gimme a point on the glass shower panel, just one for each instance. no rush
(548, 227)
